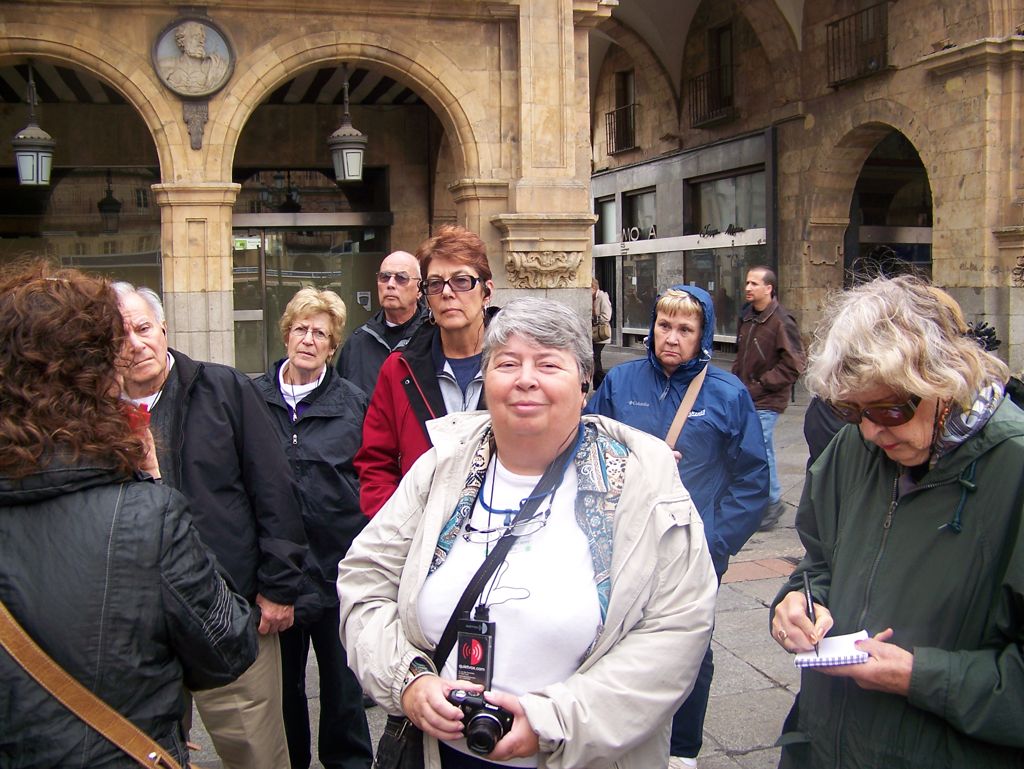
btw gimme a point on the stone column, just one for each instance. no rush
(195, 247)
(547, 227)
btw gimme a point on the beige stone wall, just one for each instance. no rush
(959, 106)
(506, 83)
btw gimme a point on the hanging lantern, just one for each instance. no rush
(347, 146)
(33, 147)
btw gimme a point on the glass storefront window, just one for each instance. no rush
(638, 211)
(63, 224)
(606, 230)
(639, 289)
(270, 265)
(722, 272)
(731, 202)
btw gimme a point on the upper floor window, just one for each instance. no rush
(711, 92)
(620, 123)
(141, 198)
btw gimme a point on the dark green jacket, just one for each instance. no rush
(946, 572)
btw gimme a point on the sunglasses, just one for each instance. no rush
(460, 283)
(401, 278)
(882, 414)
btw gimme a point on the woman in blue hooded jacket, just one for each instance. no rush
(721, 449)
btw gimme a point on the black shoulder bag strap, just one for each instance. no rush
(548, 482)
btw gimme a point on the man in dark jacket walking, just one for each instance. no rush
(216, 444)
(401, 313)
(769, 360)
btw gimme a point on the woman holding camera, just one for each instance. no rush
(600, 611)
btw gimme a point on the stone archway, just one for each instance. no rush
(119, 67)
(656, 86)
(776, 38)
(826, 189)
(432, 75)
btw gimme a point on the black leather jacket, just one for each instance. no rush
(108, 575)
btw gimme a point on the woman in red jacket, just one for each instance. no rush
(437, 372)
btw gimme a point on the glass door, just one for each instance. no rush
(272, 263)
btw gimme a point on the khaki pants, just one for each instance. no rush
(244, 718)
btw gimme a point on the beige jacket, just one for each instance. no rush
(616, 710)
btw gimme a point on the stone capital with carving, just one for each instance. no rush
(545, 250)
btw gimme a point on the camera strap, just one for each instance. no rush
(548, 482)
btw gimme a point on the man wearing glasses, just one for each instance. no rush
(401, 313)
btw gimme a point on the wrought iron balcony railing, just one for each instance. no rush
(620, 128)
(858, 44)
(711, 97)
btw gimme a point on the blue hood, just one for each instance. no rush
(691, 368)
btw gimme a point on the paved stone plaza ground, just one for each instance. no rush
(755, 681)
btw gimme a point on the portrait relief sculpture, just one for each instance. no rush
(193, 58)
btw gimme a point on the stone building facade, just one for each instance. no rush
(489, 128)
(840, 126)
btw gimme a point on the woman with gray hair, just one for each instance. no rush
(911, 527)
(588, 632)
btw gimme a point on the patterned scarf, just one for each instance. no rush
(600, 470)
(962, 423)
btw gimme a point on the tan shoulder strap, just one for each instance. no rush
(79, 700)
(684, 408)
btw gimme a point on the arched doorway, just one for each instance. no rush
(293, 226)
(890, 213)
(98, 213)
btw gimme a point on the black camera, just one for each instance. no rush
(485, 723)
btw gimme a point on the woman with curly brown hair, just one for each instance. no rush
(98, 563)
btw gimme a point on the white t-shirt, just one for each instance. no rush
(542, 598)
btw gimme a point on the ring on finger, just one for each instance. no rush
(782, 634)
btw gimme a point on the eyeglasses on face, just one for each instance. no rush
(401, 278)
(319, 336)
(882, 414)
(460, 283)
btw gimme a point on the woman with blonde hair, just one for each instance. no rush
(911, 523)
(319, 416)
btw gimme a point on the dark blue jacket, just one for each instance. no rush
(366, 350)
(320, 447)
(723, 465)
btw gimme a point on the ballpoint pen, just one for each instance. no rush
(810, 605)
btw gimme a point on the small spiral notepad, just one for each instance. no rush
(834, 650)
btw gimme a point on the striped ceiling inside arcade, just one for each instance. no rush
(56, 83)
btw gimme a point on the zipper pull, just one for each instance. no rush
(295, 439)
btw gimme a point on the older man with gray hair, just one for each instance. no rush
(401, 314)
(217, 446)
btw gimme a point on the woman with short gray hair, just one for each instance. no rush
(607, 579)
(911, 520)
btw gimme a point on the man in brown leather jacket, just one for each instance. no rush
(769, 359)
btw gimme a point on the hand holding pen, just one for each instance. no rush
(798, 623)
